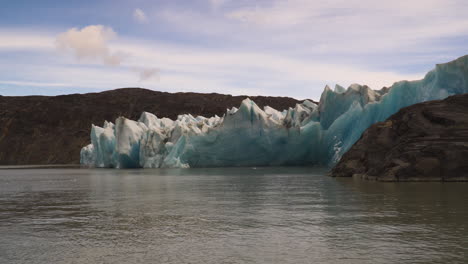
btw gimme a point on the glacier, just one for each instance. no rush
(308, 134)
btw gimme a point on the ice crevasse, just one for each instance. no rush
(308, 134)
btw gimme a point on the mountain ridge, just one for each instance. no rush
(52, 129)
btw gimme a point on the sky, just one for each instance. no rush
(267, 47)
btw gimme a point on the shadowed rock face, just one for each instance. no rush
(52, 130)
(423, 142)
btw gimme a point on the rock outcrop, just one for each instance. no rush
(423, 142)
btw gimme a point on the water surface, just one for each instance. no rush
(235, 215)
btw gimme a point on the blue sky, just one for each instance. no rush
(288, 48)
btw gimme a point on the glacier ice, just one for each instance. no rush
(308, 134)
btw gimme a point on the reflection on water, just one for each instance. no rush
(235, 215)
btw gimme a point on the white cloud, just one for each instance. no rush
(279, 13)
(328, 28)
(214, 62)
(140, 16)
(216, 4)
(234, 71)
(90, 43)
(25, 41)
(37, 84)
(270, 71)
(272, 47)
(289, 13)
(199, 69)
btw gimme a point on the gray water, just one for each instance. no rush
(236, 215)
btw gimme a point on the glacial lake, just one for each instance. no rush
(227, 215)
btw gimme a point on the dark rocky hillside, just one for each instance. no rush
(422, 142)
(52, 130)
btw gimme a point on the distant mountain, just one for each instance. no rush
(53, 129)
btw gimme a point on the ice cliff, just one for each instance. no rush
(307, 134)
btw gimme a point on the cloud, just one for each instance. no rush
(147, 73)
(195, 69)
(277, 13)
(17, 41)
(90, 43)
(326, 28)
(216, 4)
(273, 47)
(259, 71)
(37, 84)
(140, 16)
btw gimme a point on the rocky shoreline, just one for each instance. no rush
(423, 142)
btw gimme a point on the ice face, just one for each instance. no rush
(308, 134)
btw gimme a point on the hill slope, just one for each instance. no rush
(422, 142)
(53, 129)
